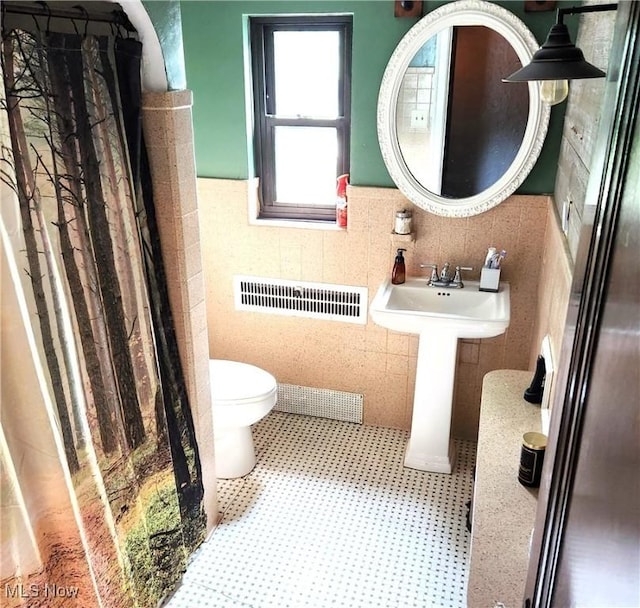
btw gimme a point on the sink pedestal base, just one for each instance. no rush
(430, 447)
(430, 462)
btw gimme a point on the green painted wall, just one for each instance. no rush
(166, 18)
(213, 47)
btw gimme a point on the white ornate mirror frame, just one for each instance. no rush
(464, 12)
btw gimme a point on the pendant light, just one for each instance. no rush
(558, 60)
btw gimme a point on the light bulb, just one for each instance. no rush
(554, 91)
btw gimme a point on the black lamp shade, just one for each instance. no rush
(557, 59)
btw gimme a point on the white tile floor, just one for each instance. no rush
(330, 518)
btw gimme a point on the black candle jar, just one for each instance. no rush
(531, 459)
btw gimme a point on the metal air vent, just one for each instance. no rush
(302, 299)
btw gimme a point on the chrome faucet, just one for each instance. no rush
(444, 279)
(434, 272)
(444, 275)
(457, 279)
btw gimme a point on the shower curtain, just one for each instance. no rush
(101, 484)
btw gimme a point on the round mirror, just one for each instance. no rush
(456, 140)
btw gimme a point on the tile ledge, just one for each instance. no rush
(503, 510)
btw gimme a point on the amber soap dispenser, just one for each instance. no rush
(398, 272)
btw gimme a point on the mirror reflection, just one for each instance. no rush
(459, 127)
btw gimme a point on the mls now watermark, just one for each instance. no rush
(21, 590)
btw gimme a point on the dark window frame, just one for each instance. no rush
(265, 121)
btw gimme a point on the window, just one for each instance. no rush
(301, 88)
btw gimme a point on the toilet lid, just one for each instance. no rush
(234, 381)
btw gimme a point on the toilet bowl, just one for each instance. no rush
(241, 394)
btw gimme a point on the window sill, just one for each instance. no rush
(300, 224)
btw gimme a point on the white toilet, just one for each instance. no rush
(241, 394)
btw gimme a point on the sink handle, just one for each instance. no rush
(457, 279)
(434, 271)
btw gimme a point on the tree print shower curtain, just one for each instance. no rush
(89, 266)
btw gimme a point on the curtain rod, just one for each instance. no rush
(118, 16)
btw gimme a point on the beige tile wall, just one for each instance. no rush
(554, 289)
(169, 139)
(378, 363)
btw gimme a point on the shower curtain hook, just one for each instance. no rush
(85, 13)
(120, 26)
(47, 8)
(116, 28)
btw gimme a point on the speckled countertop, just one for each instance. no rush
(503, 509)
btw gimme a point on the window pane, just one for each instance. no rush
(306, 159)
(307, 70)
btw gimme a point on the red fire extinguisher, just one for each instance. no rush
(341, 202)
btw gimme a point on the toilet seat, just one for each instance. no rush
(241, 395)
(235, 383)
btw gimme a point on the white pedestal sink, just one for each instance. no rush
(440, 316)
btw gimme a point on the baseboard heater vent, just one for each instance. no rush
(320, 402)
(301, 299)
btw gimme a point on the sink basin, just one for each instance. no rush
(440, 316)
(414, 307)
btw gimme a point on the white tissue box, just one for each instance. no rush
(489, 279)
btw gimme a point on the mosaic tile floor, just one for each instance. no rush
(330, 518)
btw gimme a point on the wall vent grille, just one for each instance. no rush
(303, 299)
(320, 402)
